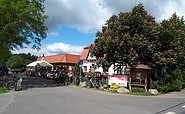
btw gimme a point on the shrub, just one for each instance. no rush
(77, 70)
(138, 90)
(114, 87)
(170, 82)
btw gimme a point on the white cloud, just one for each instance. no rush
(172, 7)
(89, 15)
(53, 34)
(160, 9)
(84, 15)
(53, 49)
(64, 48)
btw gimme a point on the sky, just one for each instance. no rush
(73, 23)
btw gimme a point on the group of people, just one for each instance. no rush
(59, 75)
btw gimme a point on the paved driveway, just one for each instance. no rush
(36, 99)
(73, 100)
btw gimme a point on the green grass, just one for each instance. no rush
(2, 90)
(72, 84)
(139, 91)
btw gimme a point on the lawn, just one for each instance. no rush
(2, 90)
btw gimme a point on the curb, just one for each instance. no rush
(7, 102)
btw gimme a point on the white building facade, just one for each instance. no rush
(89, 63)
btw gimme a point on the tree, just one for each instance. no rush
(77, 70)
(27, 56)
(172, 38)
(135, 38)
(22, 22)
(126, 38)
(16, 61)
(5, 55)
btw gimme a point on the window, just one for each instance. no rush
(85, 68)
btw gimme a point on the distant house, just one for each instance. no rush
(89, 63)
(65, 60)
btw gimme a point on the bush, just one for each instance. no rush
(170, 82)
(138, 90)
(114, 87)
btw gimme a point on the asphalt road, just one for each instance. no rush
(74, 100)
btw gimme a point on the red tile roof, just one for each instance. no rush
(85, 52)
(87, 47)
(61, 58)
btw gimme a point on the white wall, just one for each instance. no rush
(92, 60)
(98, 69)
(88, 64)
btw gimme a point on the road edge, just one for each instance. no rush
(7, 102)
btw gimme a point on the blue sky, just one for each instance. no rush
(73, 23)
(71, 36)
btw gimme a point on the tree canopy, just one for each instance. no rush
(16, 61)
(22, 22)
(135, 38)
(77, 70)
(5, 55)
(172, 38)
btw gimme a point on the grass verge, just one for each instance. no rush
(3, 90)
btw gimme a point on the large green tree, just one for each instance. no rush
(126, 39)
(172, 38)
(135, 38)
(27, 56)
(5, 54)
(21, 22)
(16, 61)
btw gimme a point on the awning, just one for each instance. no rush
(40, 63)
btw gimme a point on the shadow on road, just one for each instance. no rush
(33, 82)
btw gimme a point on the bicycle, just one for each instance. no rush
(95, 83)
(76, 80)
(11, 85)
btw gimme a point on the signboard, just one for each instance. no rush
(70, 69)
(119, 80)
(80, 62)
(138, 75)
